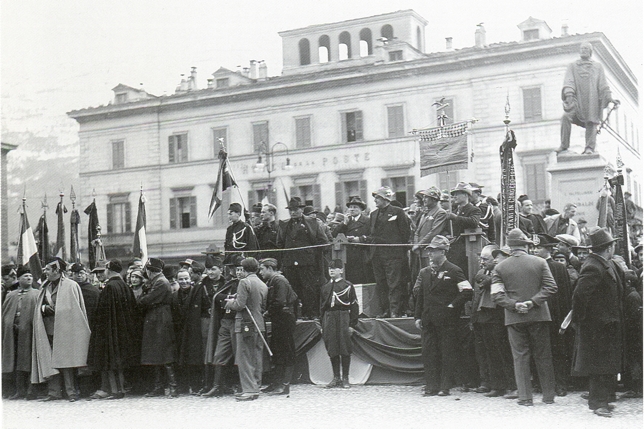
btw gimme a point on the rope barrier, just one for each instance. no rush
(323, 245)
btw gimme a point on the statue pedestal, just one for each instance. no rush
(578, 179)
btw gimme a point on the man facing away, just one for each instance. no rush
(522, 285)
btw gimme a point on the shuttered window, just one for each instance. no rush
(535, 179)
(119, 215)
(220, 136)
(183, 212)
(260, 135)
(396, 122)
(403, 187)
(352, 127)
(118, 154)
(178, 148)
(345, 190)
(532, 104)
(303, 132)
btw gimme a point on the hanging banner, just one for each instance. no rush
(620, 230)
(508, 184)
(443, 148)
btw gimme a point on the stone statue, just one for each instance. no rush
(585, 94)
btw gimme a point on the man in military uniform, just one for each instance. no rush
(442, 292)
(302, 267)
(266, 231)
(239, 234)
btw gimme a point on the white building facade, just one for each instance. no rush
(349, 96)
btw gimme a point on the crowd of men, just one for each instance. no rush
(555, 309)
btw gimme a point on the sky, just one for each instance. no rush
(63, 55)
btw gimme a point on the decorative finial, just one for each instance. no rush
(507, 121)
(72, 196)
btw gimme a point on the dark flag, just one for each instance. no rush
(224, 181)
(140, 248)
(73, 242)
(42, 238)
(60, 249)
(443, 148)
(508, 185)
(92, 233)
(621, 226)
(27, 249)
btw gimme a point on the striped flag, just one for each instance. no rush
(60, 249)
(140, 248)
(27, 249)
(224, 181)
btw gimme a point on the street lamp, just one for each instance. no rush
(270, 166)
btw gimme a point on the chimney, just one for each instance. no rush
(245, 72)
(448, 43)
(239, 69)
(210, 83)
(253, 69)
(564, 29)
(263, 70)
(479, 36)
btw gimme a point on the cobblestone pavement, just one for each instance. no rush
(309, 406)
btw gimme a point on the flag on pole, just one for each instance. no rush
(620, 230)
(42, 238)
(508, 185)
(224, 181)
(140, 248)
(92, 233)
(74, 253)
(60, 249)
(27, 249)
(443, 148)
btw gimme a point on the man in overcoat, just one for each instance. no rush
(302, 267)
(250, 304)
(388, 225)
(442, 292)
(158, 347)
(61, 333)
(17, 326)
(356, 224)
(597, 306)
(522, 285)
(115, 339)
(466, 216)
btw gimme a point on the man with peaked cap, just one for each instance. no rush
(597, 312)
(492, 346)
(358, 268)
(560, 305)
(61, 333)
(194, 330)
(339, 315)
(565, 244)
(158, 348)
(240, 236)
(220, 345)
(388, 225)
(255, 215)
(467, 216)
(249, 303)
(17, 325)
(302, 267)
(266, 231)
(522, 285)
(487, 215)
(115, 339)
(280, 305)
(442, 291)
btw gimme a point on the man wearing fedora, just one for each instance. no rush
(302, 267)
(356, 224)
(597, 314)
(522, 285)
(560, 305)
(442, 290)
(388, 225)
(467, 216)
(432, 223)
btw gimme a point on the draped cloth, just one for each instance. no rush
(508, 185)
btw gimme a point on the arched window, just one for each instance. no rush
(344, 47)
(324, 48)
(366, 42)
(387, 31)
(305, 52)
(419, 39)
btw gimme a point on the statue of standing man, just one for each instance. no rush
(585, 94)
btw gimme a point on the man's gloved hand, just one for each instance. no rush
(48, 310)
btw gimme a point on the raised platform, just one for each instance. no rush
(385, 351)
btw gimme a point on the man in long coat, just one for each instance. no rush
(466, 216)
(355, 225)
(158, 344)
(250, 304)
(17, 329)
(61, 333)
(597, 306)
(115, 340)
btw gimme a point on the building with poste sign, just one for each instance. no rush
(338, 122)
